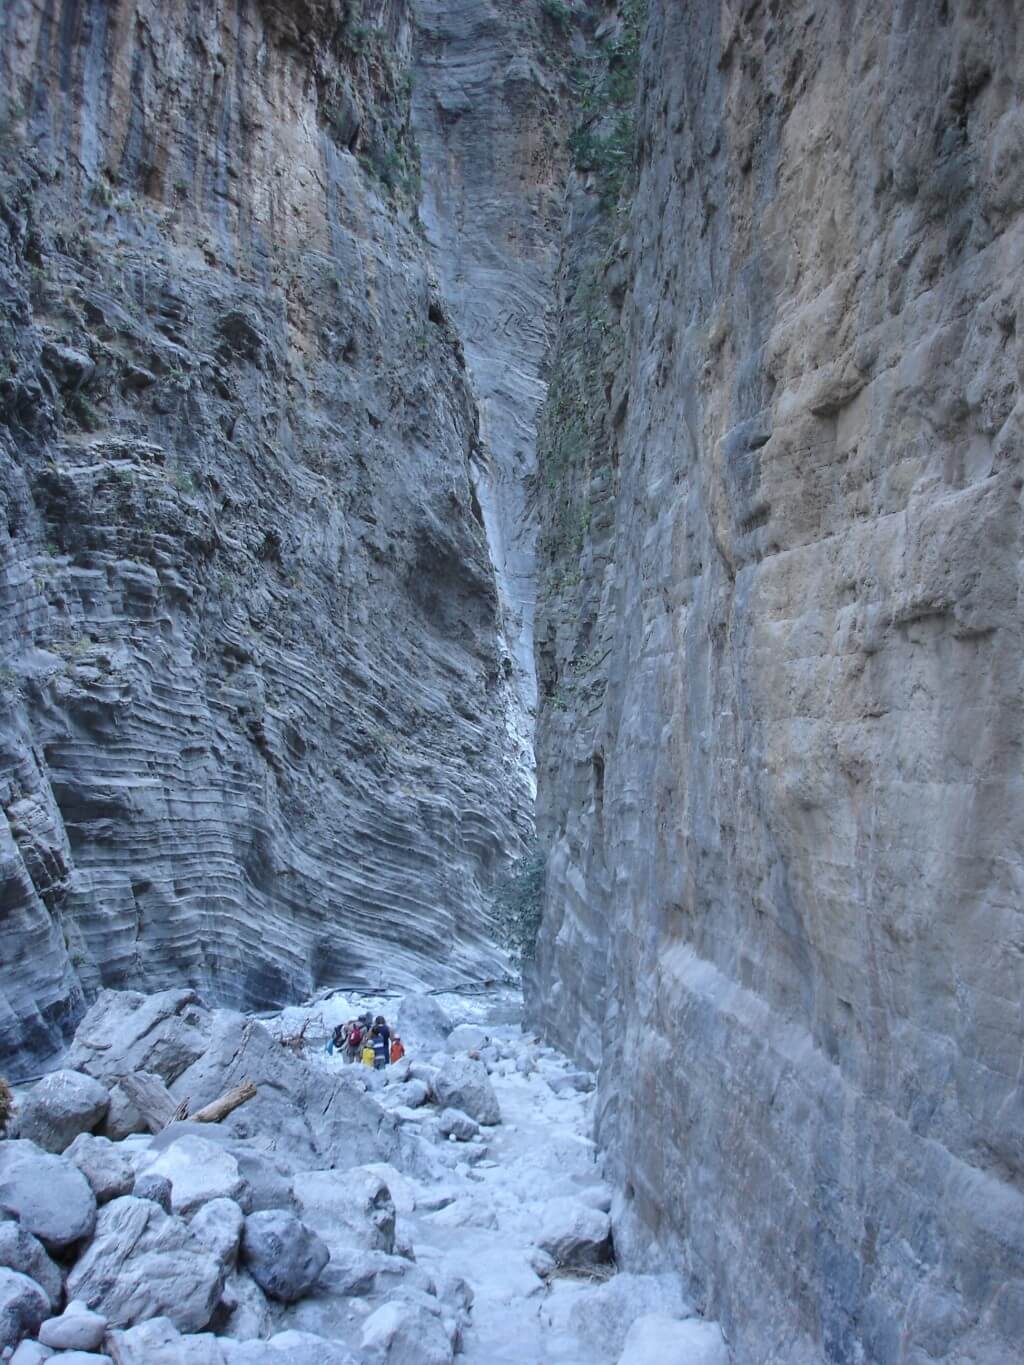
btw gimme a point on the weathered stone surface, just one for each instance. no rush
(154, 1187)
(31, 1353)
(463, 1083)
(218, 1226)
(20, 1251)
(573, 1233)
(454, 1123)
(49, 1196)
(657, 1336)
(106, 1167)
(23, 1306)
(158, 1342)
(77, 1329)
(352, 1207)
(466, 1038)
(59, 1107)
(423, 1023)
(489, 111)
(405, 1334)
(255, 674)
(199, 1170)
(124, 1032)
(143, 1263)
(779, 642)
(282, 1255)
(603, 1316)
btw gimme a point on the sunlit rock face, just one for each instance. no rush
(255, 680)
(780, 733)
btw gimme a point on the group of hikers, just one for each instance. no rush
(367, 1040)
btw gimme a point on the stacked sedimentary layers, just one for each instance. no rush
(256, 692)
(780, 648)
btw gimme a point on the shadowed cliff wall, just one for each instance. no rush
(253, 684)
(779, 651)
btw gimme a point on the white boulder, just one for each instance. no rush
(199, 1170)
(405, 1334)
(467, 1038)
(77, 1329)
(604, 1313)
(662, 1338)
(348, 1208)
(31, 1353)
(463, 1083)
(453, 1123)
(422, 1023)
(574, 1234)
(218, 1226)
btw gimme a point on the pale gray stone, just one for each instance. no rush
(23, 1306)
(348, 1208)
(59, 1107)
(466, 1038)
(20, 1251)
(462, 1083)
(603, 1315)
(154, 1187)
(31, 1353)
(246, 1310)
(107, 1168)
(77, 1329)
(282, 1255)
(218, 1226)
(422, 1022)
(199, 1170)
(574, 1233)
(454, 1123)
(48, 1195)
(289, 1348)
(403, 1333)
(158, 1342)
(662, 1338)
(145, 1263)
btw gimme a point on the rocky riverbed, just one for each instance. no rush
(452, 1204)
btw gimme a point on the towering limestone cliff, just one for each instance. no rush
(779, 650)
(256, 676)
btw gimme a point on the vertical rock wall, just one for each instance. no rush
(252, 669)
(780, 654)
(490, 107)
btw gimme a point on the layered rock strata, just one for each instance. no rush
(779, 645)
(252, 666)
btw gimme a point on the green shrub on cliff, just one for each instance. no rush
(519, 903)
(603, 140)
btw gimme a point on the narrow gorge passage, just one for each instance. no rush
(498, 489)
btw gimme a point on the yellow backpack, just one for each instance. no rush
(367, 1056)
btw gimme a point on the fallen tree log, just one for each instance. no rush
(220, 1109)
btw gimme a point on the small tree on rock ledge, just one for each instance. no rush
(519, 903)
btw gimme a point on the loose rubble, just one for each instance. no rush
(449, 1204)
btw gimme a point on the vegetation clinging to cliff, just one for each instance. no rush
(518, 903)
(603, 140)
